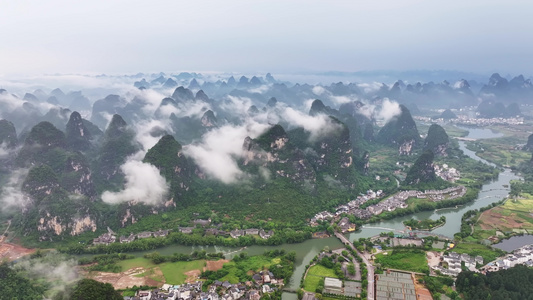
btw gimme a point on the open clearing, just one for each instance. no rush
(141, 271)
(422, 292)
(215, 265)
(400, 259)
(128, 278)
(182, 271)
(13, 251)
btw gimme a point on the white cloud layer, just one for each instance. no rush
(319, 126)
(389, 109)
(143, 184)
(216, 154)
(12, 197)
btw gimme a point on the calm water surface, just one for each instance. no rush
(514, 243)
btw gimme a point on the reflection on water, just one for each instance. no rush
(481, 133)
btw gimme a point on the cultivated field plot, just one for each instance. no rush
(511, 216)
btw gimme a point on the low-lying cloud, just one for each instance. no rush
(217, 153)
(318, 126)
(54, 268)
(148, 133)
(236, 105)
(389, 109)
(385, 112)
(318, 90)
(143, 184)
(12, 197)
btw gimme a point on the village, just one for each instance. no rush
(523, 255)
(467, 121)
(398, 200)
(451, 263)
(262, 283)
(111, 237)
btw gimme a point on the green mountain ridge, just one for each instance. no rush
(400, 132)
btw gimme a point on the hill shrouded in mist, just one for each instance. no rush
(172, 142)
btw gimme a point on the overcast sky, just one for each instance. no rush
(127, 36)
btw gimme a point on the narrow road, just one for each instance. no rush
(369, 267)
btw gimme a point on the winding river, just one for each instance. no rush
(491, 192)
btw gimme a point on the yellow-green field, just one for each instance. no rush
(172, 272)
(315, 274)
(512, 216)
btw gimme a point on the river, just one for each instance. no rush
(491, 192)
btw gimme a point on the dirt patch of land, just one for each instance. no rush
(12, 252)
(493, 219)
(127, 278)
(433, 258)
(215, 265)
(192, 276)
(422, 293)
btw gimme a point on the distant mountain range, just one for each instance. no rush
(84, 165)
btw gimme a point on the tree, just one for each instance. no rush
(351, 269)
(88, 289)
(331, 230)
(16, 286)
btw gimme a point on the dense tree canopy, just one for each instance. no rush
(515, 283)
(15, 286)
(89, 289)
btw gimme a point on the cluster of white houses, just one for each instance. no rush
(447, 173)
(263, 283)
(348, 208)
(454, 260)
(465, 120)
(110, 237)
(392, 203)
(522, 255)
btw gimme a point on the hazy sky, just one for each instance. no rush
(260, 36)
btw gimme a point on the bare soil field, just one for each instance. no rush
(422, 293)
(12, 252)
(494, 219)
(127, 279)
(215, 265)
(192, 276)
(433, 258)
